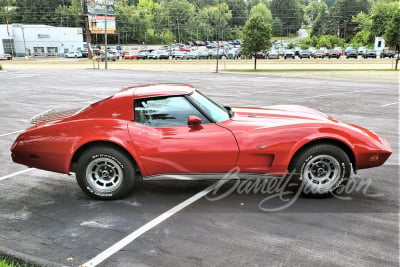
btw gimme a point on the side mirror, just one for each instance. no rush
(194, 120)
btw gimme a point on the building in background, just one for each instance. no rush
(39, 40)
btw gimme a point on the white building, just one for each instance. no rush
(39, 40)
(379, 44)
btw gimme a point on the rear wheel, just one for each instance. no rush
(105, 173)
(321, 168)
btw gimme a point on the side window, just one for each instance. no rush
(165, 112)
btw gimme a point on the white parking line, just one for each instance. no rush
(15, 174)
(341, 93)
(394, 103)
(130, 238)
(1, 135)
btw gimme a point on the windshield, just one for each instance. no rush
(213, 110)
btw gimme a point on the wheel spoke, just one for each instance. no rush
(104, 175)
(322, 172)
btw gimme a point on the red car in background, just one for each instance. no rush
(131, 55)
(157, 130)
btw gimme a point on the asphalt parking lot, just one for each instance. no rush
(46, 218)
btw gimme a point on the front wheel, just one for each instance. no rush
(321, 168)
(105, 173)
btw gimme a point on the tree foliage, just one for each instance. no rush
(392, 32)
(289, 12)
(381, 13)
(256, 36)
(261, 10)
(38, 11)
(277, 29)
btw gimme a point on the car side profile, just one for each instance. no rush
(173, 130)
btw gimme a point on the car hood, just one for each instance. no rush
(289, 112)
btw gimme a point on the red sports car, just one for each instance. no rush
(154, 130)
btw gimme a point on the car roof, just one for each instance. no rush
(153, 90)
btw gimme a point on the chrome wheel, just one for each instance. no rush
(104, 175)
(322, 172)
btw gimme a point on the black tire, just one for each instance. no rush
(105, 173)
(321, 169)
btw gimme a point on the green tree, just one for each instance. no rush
(216, 18)
(392, 33)
(239, 14)
(69, 16)
(311, 11)
(320, 24)
(6, 11)
(256, 37)
(261, 10)
(363, 35)
(341, 16)
(381, 13)
(277, 29)
(38, 11)
(290, 12)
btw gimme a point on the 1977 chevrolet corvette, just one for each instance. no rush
(160, 129)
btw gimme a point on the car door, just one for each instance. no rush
(166, 144)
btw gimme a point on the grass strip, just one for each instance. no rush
(9, 262)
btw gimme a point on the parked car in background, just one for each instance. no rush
(154, 55)
(346, 51)
(205, 54)
(305, 53)
(232, 54)
(273, 54)
(131, 55)
(312, 50)
(192, 55)
(218, 53)
(5, 56)
(261, 55)
(297, 50)
(143, 54)
(370, 53)
(361, 50)
(387, 53)
(110, 57)
(200, 43)
(319, 54)
(281, 51)
(351, 53)
(289, 53)
(73, 54)
(114, 53)
(334, 53)
(163, 54)
(180, 54)
(339, 50)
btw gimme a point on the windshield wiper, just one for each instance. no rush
(230, 112)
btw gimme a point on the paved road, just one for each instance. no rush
(46, 216)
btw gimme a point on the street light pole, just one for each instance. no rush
(105, 41)
(219, 22)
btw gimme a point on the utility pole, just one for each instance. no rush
(105, 41)
(179, 33)
(87, 30)
(219, 22)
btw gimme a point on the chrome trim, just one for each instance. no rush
(202, 176)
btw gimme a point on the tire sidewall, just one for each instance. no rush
(107, 153)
